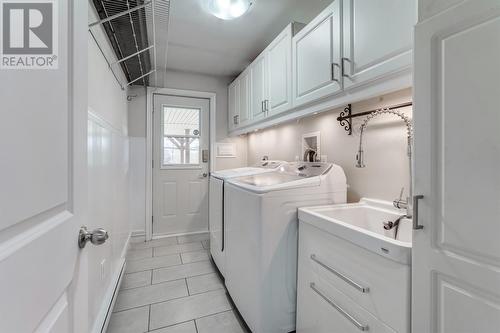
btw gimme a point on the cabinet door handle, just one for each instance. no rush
(262, 107)
(342, 276)
(343, 67)
(236, 120)
(333, 72)
(351, 318)
(416, 198)
(266, 103)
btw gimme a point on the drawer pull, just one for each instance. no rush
(337, 307)
(340, 275)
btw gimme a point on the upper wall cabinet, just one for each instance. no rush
(377, 38)
(233, 105)
(258, 87)
(244, 98)
(316, 51)
(279, 71)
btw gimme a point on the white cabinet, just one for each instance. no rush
(279, 72)
(342, 287)
(316, 51)
(233, 105)
(377, 38)
(258, 87)
(244, 98)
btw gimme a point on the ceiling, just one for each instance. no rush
(201, 43)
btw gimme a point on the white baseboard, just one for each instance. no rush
(157, 236)
(102, 320)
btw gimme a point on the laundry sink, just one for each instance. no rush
(362, 223)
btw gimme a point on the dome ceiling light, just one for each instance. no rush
(228, 9)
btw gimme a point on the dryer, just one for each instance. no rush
(216, 204)
(261, 231)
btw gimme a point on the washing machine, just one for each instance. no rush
(216, 205)
(261, 238)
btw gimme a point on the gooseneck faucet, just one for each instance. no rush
(398, 203)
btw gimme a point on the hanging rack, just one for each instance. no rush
(345, 117)
(137, 30)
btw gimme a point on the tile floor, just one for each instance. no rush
(171, 286)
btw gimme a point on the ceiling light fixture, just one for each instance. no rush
(228, 9)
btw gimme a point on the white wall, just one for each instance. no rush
(384, 142)
(137, 134)
(108, 172)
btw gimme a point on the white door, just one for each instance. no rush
(258, 97)
(181, 164)
(316, 57)
(279, 73)
(377, 38)
(233, 105)
(456, 256)
(244, 98)
(43, 131)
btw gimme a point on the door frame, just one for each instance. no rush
(151, 91)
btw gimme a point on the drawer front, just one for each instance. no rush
(379, 285)
(323, 308)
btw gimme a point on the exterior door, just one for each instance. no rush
(43, 132)
(456, 256)
(181, 164)
(316, 57)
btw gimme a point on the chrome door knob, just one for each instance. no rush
(97, 236)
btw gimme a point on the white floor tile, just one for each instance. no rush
(225, 322)
(152, 263)
(155, 242)
(206, 244)
(188, 308)
(138, 279)
(188, 327)
(189, 257)
(204, 283)
(130, 321)
(178, 248)
(192, 238)
(136, 254)
(132, 298)
(182, 271)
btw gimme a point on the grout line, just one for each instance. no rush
(187, 286)
(149, 318)
(195, 325)
(182, 322)
(186, 277)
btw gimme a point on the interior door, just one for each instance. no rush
(258, 88)
(378, 38)
(316, 57)
(43, 133)
(279, 78)
(456, 256)
(181, 164)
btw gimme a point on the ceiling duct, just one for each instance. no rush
(137, 32)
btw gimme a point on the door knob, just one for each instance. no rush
(204, 175)
(97, 236)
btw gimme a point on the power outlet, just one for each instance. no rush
(103, 269)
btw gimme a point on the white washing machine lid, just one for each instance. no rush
(291, 175)
(261, 167)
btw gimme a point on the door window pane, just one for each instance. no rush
(181, 136)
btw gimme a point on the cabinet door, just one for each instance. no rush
(233, 102)
(316, 57)
(456, 256)
(258, 87)
(279, 73)
(378, 37)
(244, 89)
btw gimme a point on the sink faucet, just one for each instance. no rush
(398, 203)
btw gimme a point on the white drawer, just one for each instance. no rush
(323, 308)
(379, 285)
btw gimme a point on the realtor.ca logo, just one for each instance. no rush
(28, 34)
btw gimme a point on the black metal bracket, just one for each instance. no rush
(345, 117)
